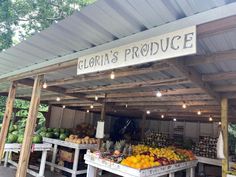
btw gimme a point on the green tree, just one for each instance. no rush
(22, 18)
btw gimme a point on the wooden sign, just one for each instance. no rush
(174, 44)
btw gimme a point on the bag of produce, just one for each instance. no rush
(220, 147)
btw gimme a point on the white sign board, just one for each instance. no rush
(174, 44)
(100, 129)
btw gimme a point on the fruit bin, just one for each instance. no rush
(94, 162)
(77, 151)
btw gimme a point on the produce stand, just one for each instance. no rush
(76, 147)
(35, 147)
(94, 163)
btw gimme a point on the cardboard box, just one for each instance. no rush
(66, 156)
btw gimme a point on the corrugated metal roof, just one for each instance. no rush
(99, 23)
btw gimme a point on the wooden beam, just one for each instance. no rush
(216, 27)
(151, 93)
(210, 58)
(143, 125)
(30, 127)
(194, 76)
(55, 89)
(150, 83)
(134, 71)
(225, 88)
(219, 76)
(7, 117)
(224, 126)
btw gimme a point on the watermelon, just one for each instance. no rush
(43, 134)
(49, 130)
(62, 137)
(12, 138)
(20, 139)
(62, 130)
(37, 139)
(15, 132)
(49, 135)
(56, 135)
(56, 130)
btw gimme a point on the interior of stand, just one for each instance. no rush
(199, 82)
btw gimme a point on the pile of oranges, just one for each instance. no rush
(147, 157)
(140, 162)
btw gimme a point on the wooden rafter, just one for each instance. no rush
(149, 83)
(219, 76)
(194, 76)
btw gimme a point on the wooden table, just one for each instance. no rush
(76, 147)
(35, 147)
(95, 163)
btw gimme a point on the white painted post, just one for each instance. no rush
(43, 163)
(6, 158)
(172, 175)
(192, 172)
(75, 164)
(91, 171)
(54, 155)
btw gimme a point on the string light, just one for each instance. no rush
(159, 94)
(174, 119)
(148, 112)
(63, 106)
(126, 106)
(184, 106)
(112, 75)
(58, 99)
(91, 106)
(45, 85)
(210, 118)
(162, 116)
(199, 113)
(96, 98)
(219, 123)
(87, 111)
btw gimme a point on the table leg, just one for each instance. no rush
(6, 158)
(75, 164)
(192, 172)
(172, 175)
(42, 163)
(91, 171)
(200, 168)
(54, 155)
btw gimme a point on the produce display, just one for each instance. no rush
(206, 147)
(16, 135)
(142, 156)
(77, 140)
(147, 157)
(154, 139)
(56, 133)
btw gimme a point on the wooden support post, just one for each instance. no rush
(143, 125)
(224, 125)
(30, 127)
(7, 117)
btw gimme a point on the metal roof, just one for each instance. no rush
(110, 23)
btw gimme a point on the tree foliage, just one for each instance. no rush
(22, 18)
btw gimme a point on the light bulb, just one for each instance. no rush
(91, 106)
(210, 118)
(158, 94)
(63, 106)
(162, 116)
(87, 111)
(174, 119)
(184, 106)
(112, 75)
(219, 123)
(199, 113)
(45, 85)
(126, 106)
(58, 99)
(96, 98)
(148, 112)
